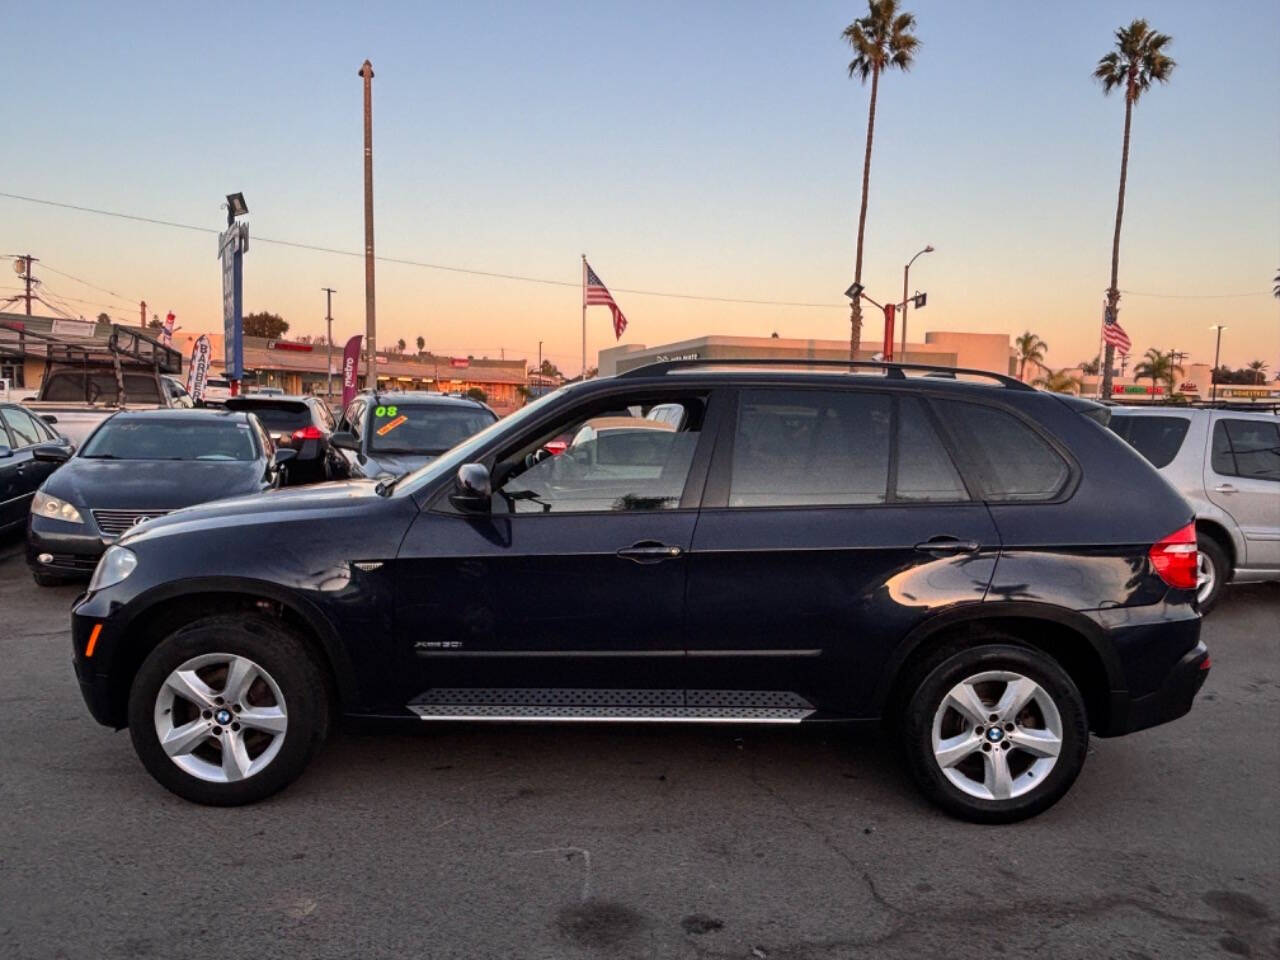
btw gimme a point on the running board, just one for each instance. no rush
(525, 704)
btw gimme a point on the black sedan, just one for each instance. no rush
(389, 434)
(23, 438)
(301, 424)
(139, 465)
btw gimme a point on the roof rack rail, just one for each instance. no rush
(895, 371)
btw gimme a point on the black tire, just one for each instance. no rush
(949, 667)
(279, 652)
(1216, 558)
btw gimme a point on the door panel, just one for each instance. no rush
(1242, 477)
(814, 600)
(541, 601)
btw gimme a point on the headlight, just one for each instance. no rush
(46, 506)
(116, 564)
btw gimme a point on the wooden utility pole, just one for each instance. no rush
(328, 336)
(370, 323)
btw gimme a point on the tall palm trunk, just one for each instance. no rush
(855, 312)
(1113, 292)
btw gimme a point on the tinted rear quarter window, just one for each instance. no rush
(1009, 460)
(1157, 438)
(1246, 448)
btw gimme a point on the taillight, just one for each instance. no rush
(308, 433)
(1175, 558)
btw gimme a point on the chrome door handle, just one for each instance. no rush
(1224, 488)
(947, 545)
(650, 551)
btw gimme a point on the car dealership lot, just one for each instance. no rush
(473, 841)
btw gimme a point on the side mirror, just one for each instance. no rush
(283, 455)
(48, 418)
(5, 452)
(345, 440)
(473, 492)
(50, 453)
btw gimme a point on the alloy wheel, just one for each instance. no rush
(997, 735)
(1206, 577)
(220, 717)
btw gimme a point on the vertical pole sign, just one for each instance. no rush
(350, 370)
(231, 247)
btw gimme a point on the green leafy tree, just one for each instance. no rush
(1133, 66)
(882, 40)
(475, 393)
(1031, 349)
(1065, 380)
(271, 326)
(1158, 367)
(103, 318)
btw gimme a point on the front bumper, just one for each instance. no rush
(71, 550)
(1173, 699)
(93, 668)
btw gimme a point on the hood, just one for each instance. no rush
(151, 484)
(292, 503)
(394, 464)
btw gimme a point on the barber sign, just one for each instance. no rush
(198, 370)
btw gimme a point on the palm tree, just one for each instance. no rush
(1091, 367)
(880, 40)
(1159, 367)
(1259, 369)
(1030, 349)
(1059, 381)
(1137, 61)
(422, 343)
(400, 345)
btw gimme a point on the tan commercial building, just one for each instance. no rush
(977, 351)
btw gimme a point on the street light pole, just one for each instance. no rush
(1213, 374)
(328, 319)
(906, 271)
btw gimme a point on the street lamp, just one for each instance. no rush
(1213, 374)
(905, 273)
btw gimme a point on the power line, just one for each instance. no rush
(402, 261)
(119, 297)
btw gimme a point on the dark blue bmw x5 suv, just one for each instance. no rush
(983, 567)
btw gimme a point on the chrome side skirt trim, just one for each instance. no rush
(611, 705)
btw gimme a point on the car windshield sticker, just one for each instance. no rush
(388, 427)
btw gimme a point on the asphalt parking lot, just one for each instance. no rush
(506, 841)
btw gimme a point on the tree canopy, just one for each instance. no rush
(272, 326)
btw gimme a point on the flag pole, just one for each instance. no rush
(584, 316)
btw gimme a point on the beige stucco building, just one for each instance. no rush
(977, 351)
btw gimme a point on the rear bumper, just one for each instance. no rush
(1173, 699)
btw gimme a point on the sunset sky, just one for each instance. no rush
(712, 149)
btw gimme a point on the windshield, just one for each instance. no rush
(171, 440)
(410, 428)
(276, 416)
(463, 453)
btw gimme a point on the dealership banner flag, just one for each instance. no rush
(198, 371)
(350, 369)
(166, 332)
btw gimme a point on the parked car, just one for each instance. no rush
(216, 390)
(137, 466)
(1226, 462)
(87, 382)
(387, 434)
(303, 425)
(983, 565)
(25, 461)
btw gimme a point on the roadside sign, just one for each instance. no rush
(231, 247)
(198, 372)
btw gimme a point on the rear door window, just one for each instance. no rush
(1246, 448)
(1010, 461)
(1157, 438)
(23, 427)
(924, 468)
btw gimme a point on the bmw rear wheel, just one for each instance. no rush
(227, 710)
(996, 733)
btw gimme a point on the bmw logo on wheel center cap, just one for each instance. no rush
(995, 734)
(223, 716)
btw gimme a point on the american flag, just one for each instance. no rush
(594, 292)
(1113, 333)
